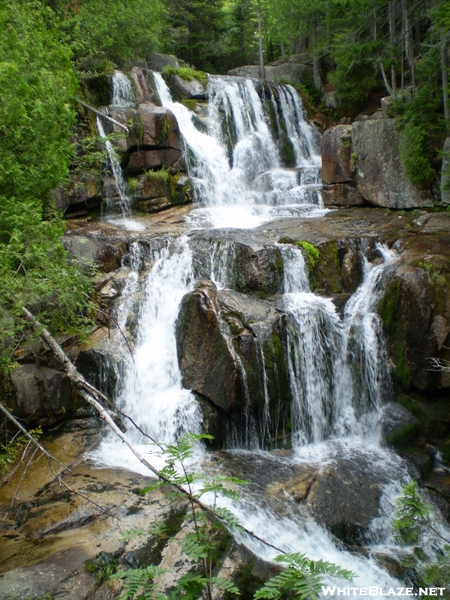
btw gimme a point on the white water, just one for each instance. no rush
(329, 399)
(123, 92)
(236, 166)
(152, 393)
(338, 365)
(122, 220)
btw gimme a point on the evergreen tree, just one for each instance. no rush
(37, 84)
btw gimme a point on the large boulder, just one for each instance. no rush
(336, 154)
(143, 160)
(292, 72)
(231, 349)
(343, 195)
(150, 127)
(380, 176)
(240, 262)
(40, 395)
(155, 192)
(182, 88)
(157, 61)
(86, 250)
(144, 85)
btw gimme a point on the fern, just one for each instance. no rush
(302, 576)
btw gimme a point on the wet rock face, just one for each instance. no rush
(40, 394)
(153, 141)
(231, 350)
(157, 61)
(416, 318)
(248, 265)
(293, 72)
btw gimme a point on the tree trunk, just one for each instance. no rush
(409, 43)
(316, 59)
(444, 67)
(392, 43)
(261, 49)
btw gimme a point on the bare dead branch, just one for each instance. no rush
(6, 412)
(27, 466)
(120, 329)
(13, 471)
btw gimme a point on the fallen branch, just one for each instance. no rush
(88, 393)
(116, 323)
(100, 114)
(27, 466)
(6, 412)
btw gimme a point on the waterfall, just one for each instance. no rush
(152, 392)
(338, 368)
(123, 91)
(236, 166)
(124, 200)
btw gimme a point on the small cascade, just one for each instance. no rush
(123, 220)
(236, 166)
(338, 368)
(152, 392)
(123, 91)
(124, 199)
(363, 325)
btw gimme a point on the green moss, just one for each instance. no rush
(388, 307)
(311, 252)
(402, 368)
(276, 345)
(403, 437)
(188, 103)
(187, 73)
(165, 128)
(133, 184)
(287, 153)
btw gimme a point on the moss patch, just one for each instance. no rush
(187, 73)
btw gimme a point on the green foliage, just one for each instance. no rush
(411, 515)
(301, 576)
(37, 83)
(9, 451)
(187, 73)
(140, 583)
(194, 32)
(412, 521)
(162, 174)
(102, 33)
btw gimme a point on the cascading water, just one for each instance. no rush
(337, 364)
(123, 92)
(236, 165)
(124, 199)
(329, 397)
(123, 96)
(152, 393)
